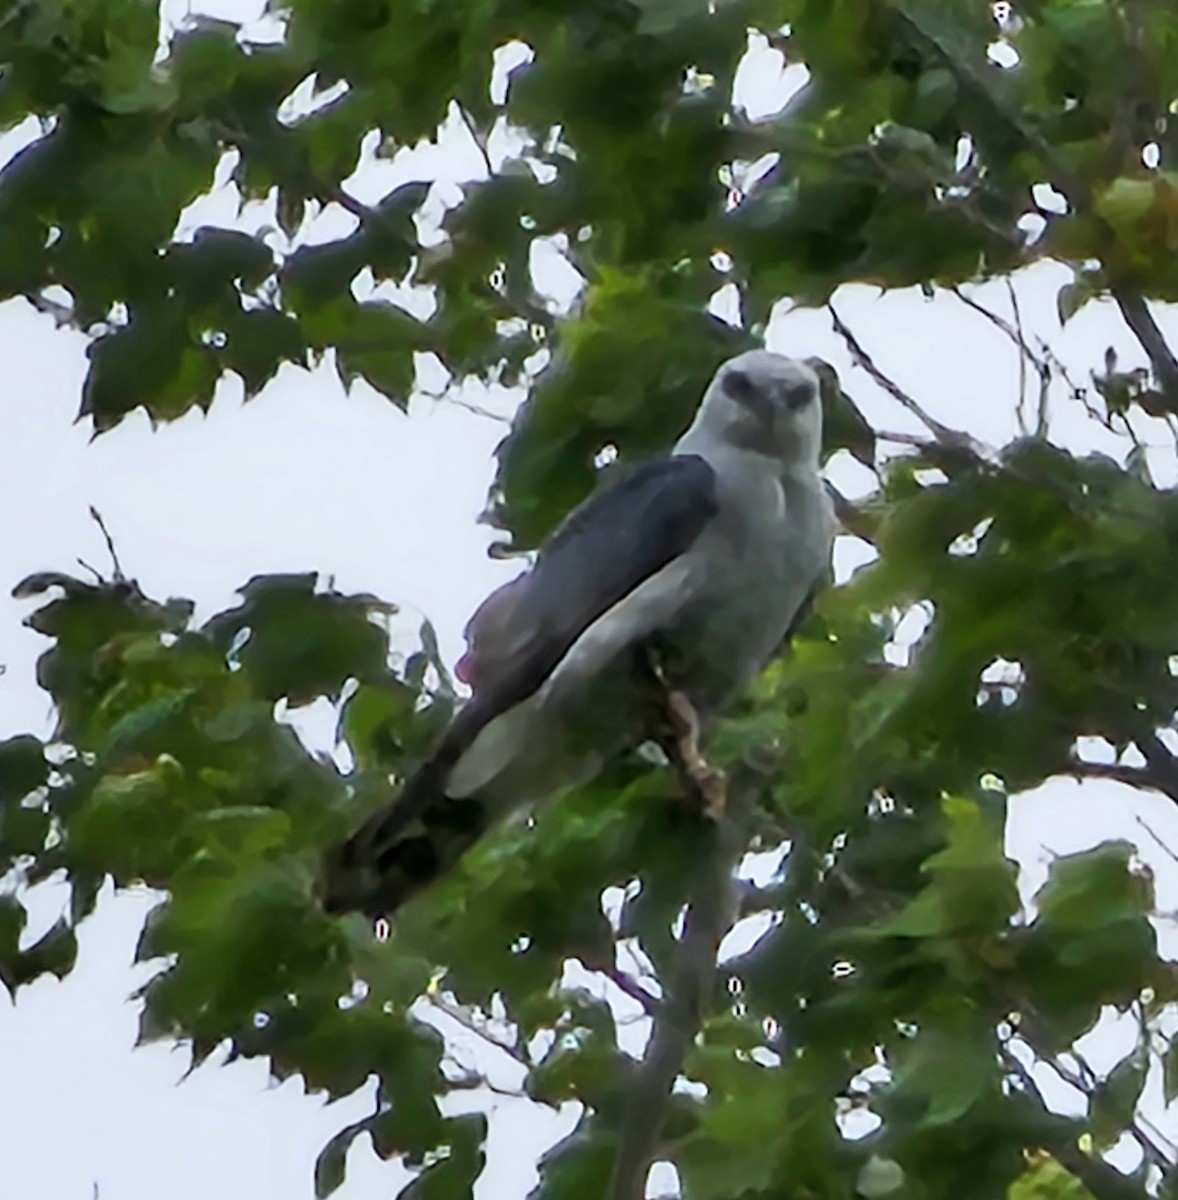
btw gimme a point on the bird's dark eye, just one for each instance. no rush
(739, 386)
(798, 395)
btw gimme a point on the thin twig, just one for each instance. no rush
(477, 409)
(472, 1080)
(633, 989)
(946, 436)
(461, 1016)
(1114, 772)
(1153, 833)
(349, 203)
(62, 314)
(1044, 372)
(1086, 1080)
(1140, 1128)
(478, 141)
(1026, 355)
(901, 439)
(1042, 366)
(856, 519)
(96, 516)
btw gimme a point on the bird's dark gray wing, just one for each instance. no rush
(612, 542)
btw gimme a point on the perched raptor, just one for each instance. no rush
(693, 567)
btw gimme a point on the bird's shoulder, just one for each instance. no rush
(662, 495)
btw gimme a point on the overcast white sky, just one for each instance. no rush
(305, 478)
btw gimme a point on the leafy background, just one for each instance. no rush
(896, 1016)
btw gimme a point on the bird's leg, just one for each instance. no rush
(681, 745)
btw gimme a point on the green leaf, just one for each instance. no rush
(1045, 1179)
(949, 1072)
(1093, 888)
(1125, 201)
(331, 1164)
(453, 1176)
(300, 643)
(578, 1165)
(1073, 296)
(1113, 1103)
(23, 768)
(55, 952)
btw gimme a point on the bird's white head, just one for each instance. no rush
(764, 403)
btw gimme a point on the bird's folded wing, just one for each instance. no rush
(605, 550)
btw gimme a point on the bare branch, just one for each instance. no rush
(475, 1081)
(633, 989)
(901, 439)
(1161, 763)
(1129, 300)
(1026, 355)
(96, 516)
(1103, 1181)
(478, 139)
(1140, 320)
(62, 314)
(947, 437)
(1159, 776)
(477, 409)
(1116, 772)
(462, 1016)
(1085, 1080)
(1157, 837)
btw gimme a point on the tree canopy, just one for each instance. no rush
(899, 977)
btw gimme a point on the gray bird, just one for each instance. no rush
(694, 567)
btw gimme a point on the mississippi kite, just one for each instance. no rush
(701, 560)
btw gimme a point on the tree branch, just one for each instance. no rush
(1140, 320)
(1085, 1080)
(711, 910)
(1162, 765)
(1160, 772)
(632, 988)
(462, 1015)
(1129, 300)
(1103, 1181)
(478, 140)
(1026, 355)
(951, 438)
(1116, 772)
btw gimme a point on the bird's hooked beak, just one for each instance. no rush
(741, 388)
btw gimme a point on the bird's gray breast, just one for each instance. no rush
(762, 556)
(713, 617)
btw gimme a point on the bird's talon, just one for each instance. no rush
(714, 789)
(708, 784)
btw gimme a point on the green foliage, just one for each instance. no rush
(900, 976)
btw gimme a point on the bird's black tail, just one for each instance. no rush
(402, 848)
